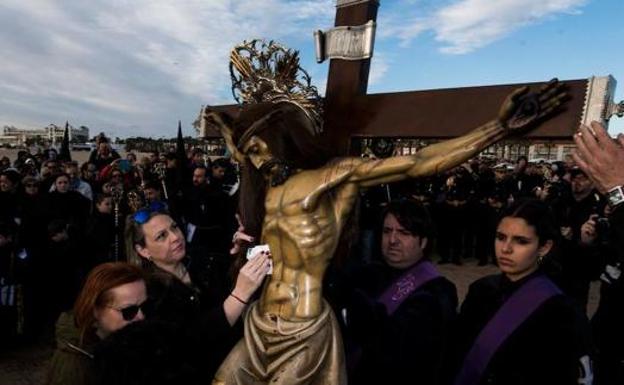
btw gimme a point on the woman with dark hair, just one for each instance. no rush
(112, 297)
(192, 292)
(64, 203)
(517, 327)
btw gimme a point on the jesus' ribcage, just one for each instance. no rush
(301, 244)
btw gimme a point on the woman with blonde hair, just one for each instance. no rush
(192, 292)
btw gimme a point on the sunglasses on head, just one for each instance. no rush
(129, 313)
(143, 215)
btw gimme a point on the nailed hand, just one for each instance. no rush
(523, 109)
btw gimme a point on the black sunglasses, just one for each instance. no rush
(129, 313)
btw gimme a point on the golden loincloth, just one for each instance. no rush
(279, 352)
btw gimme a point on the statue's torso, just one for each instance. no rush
(302, 226)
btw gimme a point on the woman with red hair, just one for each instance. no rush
(112, 297)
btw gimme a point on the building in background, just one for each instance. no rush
(49, 135)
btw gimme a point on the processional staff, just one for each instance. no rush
(160, 170)
(117, 193)
(136, 200)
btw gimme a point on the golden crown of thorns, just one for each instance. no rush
(269, 72)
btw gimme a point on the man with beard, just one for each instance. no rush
(298, 202)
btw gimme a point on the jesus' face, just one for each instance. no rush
(258, 152)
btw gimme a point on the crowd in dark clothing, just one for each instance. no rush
(63, 218)
(466, 203)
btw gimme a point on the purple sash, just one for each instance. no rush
(406, 284)
(528, 298)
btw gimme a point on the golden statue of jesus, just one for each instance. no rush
(302, 204)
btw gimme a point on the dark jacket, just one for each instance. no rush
(551, 347)
(8, 206)
(146, 352)
(209, 210)
(411, 342)
(71, 207)
(72, 362)
(578, 262)
(196, 310)
(100, 238)
(608, 322)
(101, 162)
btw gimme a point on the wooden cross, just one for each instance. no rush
(433, 114)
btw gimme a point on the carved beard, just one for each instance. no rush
(280, 175)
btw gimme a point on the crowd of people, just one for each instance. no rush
(132, 260)
(53, 210)
(467, 201)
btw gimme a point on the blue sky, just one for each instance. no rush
(135, 68)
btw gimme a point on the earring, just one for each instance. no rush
(540, 259)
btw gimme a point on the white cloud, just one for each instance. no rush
(380, 64)
(466, 25)
(113, 65)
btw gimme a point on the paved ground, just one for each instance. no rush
(27, 365)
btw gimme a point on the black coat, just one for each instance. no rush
(147, 352)
(210, 210)
(579, 262)
(548, 348)
(71, 207)
(8, 206)
(408, 344)
(100, 238)
(608, 322)
(196, 310)
(100, 162)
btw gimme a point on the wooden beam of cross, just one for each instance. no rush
(434, 114)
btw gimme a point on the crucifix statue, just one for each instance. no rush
(296, 195)
(297, 199)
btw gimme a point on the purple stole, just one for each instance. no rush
(419, 274)
(517, 309)
(398, 291)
